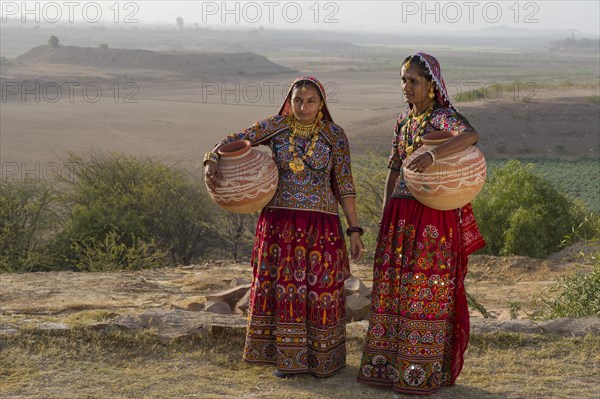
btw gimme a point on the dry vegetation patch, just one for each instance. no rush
(81, 363)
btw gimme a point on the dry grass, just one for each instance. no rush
(82, 363)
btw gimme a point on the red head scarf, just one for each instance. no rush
(286, 108)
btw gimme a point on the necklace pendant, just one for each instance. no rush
(296, 165)
(409, 150)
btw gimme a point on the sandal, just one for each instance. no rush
(281, 374)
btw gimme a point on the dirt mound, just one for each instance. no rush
(576, 252)
(521, 268)
(241, 64)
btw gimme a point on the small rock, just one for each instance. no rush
(219, 329)
(239, 281)
(230, 296)
(241, 307)
(179, 323)
(354, 285)
(217, 307)
(7, 329)
(573, 326)
(194, 304)
(504, 315)
(357, 307)
(128, 322)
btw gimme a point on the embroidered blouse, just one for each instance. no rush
(327, 176)
(442, 118)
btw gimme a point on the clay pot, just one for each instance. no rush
(451, 181)
(249, 178)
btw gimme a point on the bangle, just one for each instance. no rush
(211, 156)
(432, 154)
(355, 229)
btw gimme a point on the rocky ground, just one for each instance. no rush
(195, 299)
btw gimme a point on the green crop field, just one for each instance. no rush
(580, 178)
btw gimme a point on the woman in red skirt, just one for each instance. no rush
(297, 317)
(419, 326)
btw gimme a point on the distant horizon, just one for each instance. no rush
(376, 17)
(168, 26)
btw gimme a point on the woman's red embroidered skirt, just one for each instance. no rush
(298, 307)
(419, 327)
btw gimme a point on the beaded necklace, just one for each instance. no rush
(422, 121)
(304, 131)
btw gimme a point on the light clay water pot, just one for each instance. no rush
(451, 181)
(249, 178)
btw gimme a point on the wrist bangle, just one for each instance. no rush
(432, 154)
(211, 156)
(355, 229)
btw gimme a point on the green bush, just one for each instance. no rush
(579, 179)
(53, 41)
(26, 220)
(139, 200)
(521, 213)
(370, 172)
(238, 233)
(112, 255)
(577, 294)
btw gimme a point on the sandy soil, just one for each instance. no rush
(496, 282)
(178, 119)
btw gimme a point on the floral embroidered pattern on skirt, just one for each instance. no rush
(416, 336)
(297, 306)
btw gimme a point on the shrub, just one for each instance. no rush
(53, 41)
(577, 294)
(238, 232)
(370, 172)
(26, 220)
(111, 254)
(520, 213)
(140, 201)
(5, 61)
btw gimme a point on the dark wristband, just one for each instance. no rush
(355, 229)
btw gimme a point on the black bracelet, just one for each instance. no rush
(355, 229)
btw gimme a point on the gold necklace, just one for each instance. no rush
(304, 131)
(422, 121)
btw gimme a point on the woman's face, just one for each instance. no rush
(415, 87)
(305, 104)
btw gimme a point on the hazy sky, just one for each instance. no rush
(383, 16)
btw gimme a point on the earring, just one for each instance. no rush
(320, 114)
(431, 93)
